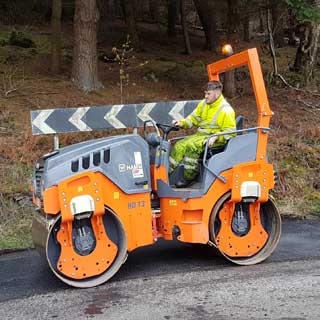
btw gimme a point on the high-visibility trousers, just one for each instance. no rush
(188, 149)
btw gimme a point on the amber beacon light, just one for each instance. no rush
(227, 50)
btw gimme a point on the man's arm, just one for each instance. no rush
(194, 118)
(227, 124)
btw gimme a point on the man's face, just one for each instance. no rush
(211, 95)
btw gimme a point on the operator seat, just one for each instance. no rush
(215, 150)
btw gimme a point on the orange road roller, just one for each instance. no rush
(99, 200)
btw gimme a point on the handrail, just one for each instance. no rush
(264, 129)
(223, 179)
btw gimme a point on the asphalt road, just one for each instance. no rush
(172, 280)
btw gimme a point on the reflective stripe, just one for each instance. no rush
(203, 105)
(195, 116)
(229, 129)
(213, 121)
(174, 162)
(186, 166)
(203, 124)
(203, 130)
(227, 136)
(189, 122)
(191, 160)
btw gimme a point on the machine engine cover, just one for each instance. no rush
(123, 159)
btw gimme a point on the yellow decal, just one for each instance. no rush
(173, 202)
(80, 189)
(145, 186)
(116, 195)
(250, 174)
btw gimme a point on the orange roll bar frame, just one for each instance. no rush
(249, 58)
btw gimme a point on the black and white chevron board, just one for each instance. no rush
(52, 121)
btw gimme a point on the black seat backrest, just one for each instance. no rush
(239, 123)
(215, 150)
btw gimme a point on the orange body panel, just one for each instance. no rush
(258, 171)
(81, 184)
(193, 215)
(50, 203)
(76, 266)
(134, 210)
(187, 215)
(158, 173)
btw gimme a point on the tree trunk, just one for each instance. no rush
(206, 13)
(233, 17)
(246, 27)
(278, 33)
(292, 28)
(154, 9)
(138, 4)
(229, 87)
(172, 18)
(131, 23)
(261, 21)
(118, 8)
(105, 19)
(233, 38)
(271, 45)
(56, 36)
(112, 8)
(184, 27)
(85, 62)
(307, 52)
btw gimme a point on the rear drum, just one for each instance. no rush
(247, 241)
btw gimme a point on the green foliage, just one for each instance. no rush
(15, 223)
(20, 39)
(4, 37)
(15, 178)
(314, 199)
(305, 11)
(124, 56)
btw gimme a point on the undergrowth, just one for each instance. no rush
(16, 219)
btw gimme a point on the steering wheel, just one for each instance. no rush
(166, 129)
(153, 124)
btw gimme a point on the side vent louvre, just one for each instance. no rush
(75, 165)
(106, 156)
(86, 162)
(38, 176)
(96, 158)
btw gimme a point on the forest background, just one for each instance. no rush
(65, 53)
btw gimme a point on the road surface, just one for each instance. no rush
(172, 280)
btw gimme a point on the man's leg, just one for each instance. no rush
(178, 152)
(193, 152)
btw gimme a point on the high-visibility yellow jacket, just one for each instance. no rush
(216, 117)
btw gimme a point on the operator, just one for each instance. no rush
(212, 115)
